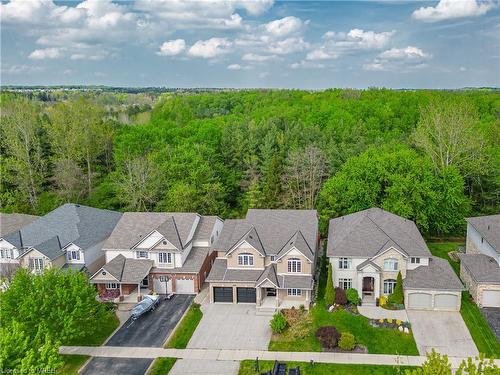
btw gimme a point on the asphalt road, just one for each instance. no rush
(150, 330)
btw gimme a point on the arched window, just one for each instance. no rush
(390, 264)
(245, 259)
(389, 286)
(294, 265)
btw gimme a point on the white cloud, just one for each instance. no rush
(306, 65)
(172, 47)
(20, 69)
(254, 7)
(358, 38)
(46, 53)
(284, 26)
(399, 59)
(234, 67)
(210, 48)
(320, 54)
(258, 58)
(463, 69)
(452, 9)
(289, 45)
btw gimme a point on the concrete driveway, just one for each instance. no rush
(492, 316)
(225, 327)
(150, 330)
(444, 331)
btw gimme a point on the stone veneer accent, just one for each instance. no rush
(475, 289)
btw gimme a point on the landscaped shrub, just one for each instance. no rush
(382, 301)
(278, 323)
(328, 337)
(397, 296)
(347, 341)
(340, 297)
(329, 293)
(352, 296)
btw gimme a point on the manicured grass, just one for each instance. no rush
(186, 327)
(247, 367)
(162, 366)
(377, 340)
(479, 329)
(107, 326)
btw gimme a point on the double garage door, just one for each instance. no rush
(424, 301)
(243, 295)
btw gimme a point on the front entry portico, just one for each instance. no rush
(368, 284)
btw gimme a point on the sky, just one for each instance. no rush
(251, 43)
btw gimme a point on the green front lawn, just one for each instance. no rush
(247, 367)
(479, 329)
(185, 328)
(107, 326)
(162, 366)
(376, 340)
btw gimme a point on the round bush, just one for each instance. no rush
(352, 296)
(328, 337)
(347, 341)
(340, 297)
(278, 323)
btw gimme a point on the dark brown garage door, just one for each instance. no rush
(245, 295)
(223, 294)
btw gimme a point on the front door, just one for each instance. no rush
(368, 285)
(270, 292)
(145, 282)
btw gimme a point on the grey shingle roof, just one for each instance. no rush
(168, 229)
(84, 226)
(274, 227)
(51, 248)
(205, 227)
(365, 233)
(269, 274)
(127, 270)
(299, 282)
(482, 268)
(366, 262)
(220, 272)
(13, 222)
(438, 275)
(192, 264)
(298, 241)
(489, 228)
(135, 226)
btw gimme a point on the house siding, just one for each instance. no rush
(474, 245)
(258, 259)
(282, 264)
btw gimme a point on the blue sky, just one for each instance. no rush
(258, 43)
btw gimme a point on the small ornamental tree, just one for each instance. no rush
(434, 365)
(352, 296)
(347, 341)
(278, 323)
(397, 296)
(328, 337)
(340, 297)
(329, 293)
(480, 366)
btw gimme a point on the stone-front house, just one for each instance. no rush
(158, 252)
(71, 236)
(268, 259)
(480, 265)
(368, 249)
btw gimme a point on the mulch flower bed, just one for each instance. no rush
(392, 324)
(357, 349)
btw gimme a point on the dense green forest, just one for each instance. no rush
(431, 156)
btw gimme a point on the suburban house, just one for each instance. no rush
(480, 265)
(71, 236)
(157, 252)
(8, 253)
(267, 259)
(368, 249)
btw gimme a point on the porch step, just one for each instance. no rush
(268, 311)
(369, 302)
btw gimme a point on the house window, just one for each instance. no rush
(390, 264)
(273, 258)
(6, 253)
(389, 286)
(142, 254)
(345, 263)
(415, 260)
(482, 240)
(245, 259)
(294, 292)
(165, 257)
(294, 265)
(74, 255)
(111, 286)
(163, 279)
(36, 264)
(345, 283)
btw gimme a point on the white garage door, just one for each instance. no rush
(419, 301)
(446, 302)
(161, 286)
(184, 286)
(491, 298)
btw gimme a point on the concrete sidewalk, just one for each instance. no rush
(239, 355)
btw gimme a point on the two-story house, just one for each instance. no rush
(158, 252)
(267, 259)
(71, 236)
(480, 265)
(368, 249)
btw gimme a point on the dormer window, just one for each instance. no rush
(390, 264)
(273, 258)
(142, 254)
(164, 242)
(165, 257)
(415, 260)
(294, 265)
(74, 255)
(245, 259)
